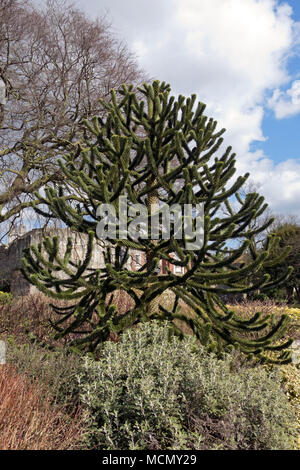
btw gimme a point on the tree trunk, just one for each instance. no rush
(290, 295)
(297, 289)
(152, 206)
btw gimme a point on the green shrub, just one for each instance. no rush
(291, 381)
(150, 391)
(5, 298)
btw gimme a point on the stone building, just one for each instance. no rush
(11, 278)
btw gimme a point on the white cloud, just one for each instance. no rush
(286, 104)
(229, 52)
(279, 183)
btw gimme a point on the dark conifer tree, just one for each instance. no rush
(289, 241)
(156, 149)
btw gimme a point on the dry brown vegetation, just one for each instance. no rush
(28, 317)
(246, 309)
(28, 418)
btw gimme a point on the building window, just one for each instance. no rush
(178, 269)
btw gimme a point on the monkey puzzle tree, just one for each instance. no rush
(157, 151)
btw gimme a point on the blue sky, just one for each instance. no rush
(283, 135)
(241, 58)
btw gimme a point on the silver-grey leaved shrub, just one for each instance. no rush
(153, 391)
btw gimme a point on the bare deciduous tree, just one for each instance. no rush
(55, 64)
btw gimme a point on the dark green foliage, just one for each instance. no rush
(164, 150)
(152, 392)
(289, 236)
